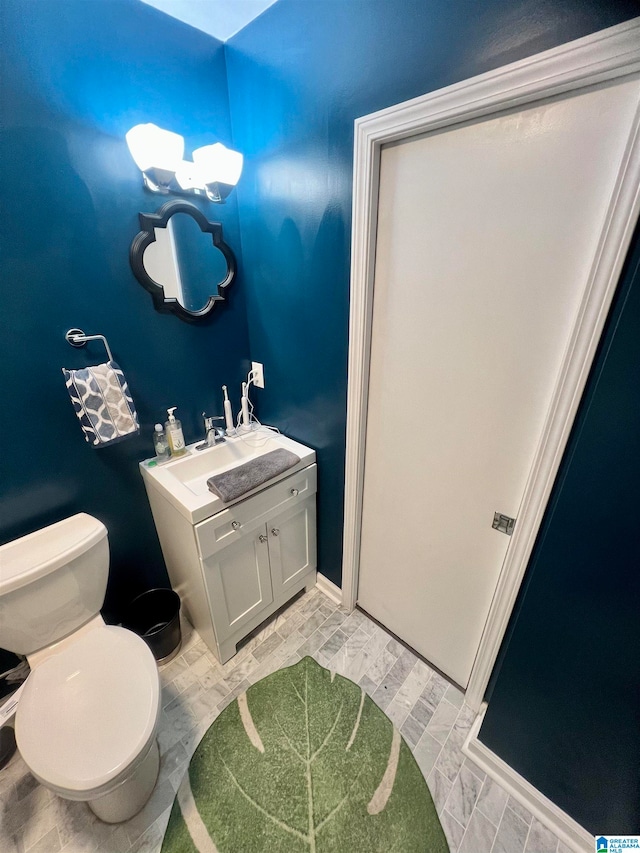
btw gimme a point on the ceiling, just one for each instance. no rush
(219, 18)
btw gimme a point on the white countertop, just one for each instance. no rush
(183, 480)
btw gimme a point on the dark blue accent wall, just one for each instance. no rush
(75, 76)
(564, 710)
(298, 77)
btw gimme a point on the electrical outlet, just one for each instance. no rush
(258, 374)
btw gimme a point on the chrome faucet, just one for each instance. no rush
(212, 434)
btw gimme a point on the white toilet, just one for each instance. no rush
(87, 719)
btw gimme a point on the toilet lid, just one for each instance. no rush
(88, 711)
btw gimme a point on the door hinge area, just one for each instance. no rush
(503, 523)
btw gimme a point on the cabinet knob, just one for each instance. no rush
(262, 537)
(236, 525)
(275, 531)
(294, 492)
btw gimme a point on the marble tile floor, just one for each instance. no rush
(477, 815)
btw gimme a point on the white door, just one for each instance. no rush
(486, 234)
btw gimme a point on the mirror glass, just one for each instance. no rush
(181, 258)
(184, 261)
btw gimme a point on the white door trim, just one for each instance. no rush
(605, 55)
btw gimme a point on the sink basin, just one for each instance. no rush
(183, 481)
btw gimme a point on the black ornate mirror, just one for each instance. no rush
(182, 260)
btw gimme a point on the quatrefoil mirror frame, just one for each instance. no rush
(166, 304)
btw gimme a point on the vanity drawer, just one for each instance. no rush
(297, 487)
(242, 518)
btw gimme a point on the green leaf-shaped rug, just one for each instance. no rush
(303, 762)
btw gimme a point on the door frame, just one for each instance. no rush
(606, 55)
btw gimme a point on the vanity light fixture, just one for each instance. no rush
(219, 167)
(159, 154)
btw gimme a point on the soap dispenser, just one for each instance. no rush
(163, 452)
(175, 437)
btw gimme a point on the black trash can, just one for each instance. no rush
(155, 616)
(7, 745)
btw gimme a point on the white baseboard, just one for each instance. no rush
(574, 836)
(329, 588)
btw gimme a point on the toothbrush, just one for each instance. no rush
(244, 403)
(228, 413)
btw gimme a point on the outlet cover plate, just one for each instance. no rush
(258, 374)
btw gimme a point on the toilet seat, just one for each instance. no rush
(89, 712)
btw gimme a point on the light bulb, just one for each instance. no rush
(219, 164)
(154, 148)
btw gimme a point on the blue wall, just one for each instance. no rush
(76, 75)
(298, 77)
(565, 706)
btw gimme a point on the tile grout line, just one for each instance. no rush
(526, 841)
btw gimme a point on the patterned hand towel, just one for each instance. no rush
(102, 402)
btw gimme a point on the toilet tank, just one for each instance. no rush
(52, 582)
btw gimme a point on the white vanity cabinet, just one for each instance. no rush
(254, 559)
(237, 567)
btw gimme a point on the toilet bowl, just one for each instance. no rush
(88, 716)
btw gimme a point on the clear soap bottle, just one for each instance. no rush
(175, 437)
(163, 453)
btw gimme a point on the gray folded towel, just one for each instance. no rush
(237, 481)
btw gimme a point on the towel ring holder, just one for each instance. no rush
(77, 338)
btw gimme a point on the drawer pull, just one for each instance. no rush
(294, 492)
(275, 531)
(236, 525)
(262, 537)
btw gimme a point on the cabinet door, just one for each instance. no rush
(238, 582)
(292, 544)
